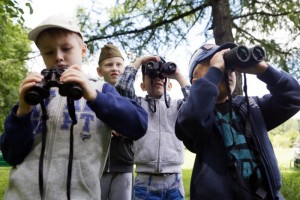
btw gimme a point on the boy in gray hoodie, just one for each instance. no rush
(158, 155)
(51, 160)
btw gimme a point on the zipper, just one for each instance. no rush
(221, 142)
(159, 137)
(268, 170)
(108, 161)
(50, 138)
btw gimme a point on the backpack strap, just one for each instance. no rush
(245, 106)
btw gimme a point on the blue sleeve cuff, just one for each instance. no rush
(214, 75)
(270, 76)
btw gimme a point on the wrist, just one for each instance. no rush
(137, 63)
(23, 110)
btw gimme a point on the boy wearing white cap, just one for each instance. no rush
(51, 161)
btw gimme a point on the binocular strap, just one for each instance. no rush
(41, 159)
(165, 93)
(71, 110)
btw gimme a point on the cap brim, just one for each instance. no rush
(34, 33)
(227, 45)
(209, 54)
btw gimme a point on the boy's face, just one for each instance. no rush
(155, 87)
(61, 48)
(111, 69)
(200, 71)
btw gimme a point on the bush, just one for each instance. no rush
(284, 140)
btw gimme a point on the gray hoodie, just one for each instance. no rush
(91, 142)
(159, 151)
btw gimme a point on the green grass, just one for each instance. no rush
(290, 176)
(291, 184)
(4, 172)
(186, 176)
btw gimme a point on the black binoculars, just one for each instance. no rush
(41, 90)
(241, 56)
(157, 69)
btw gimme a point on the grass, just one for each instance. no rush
(4, 172)
(290, 175)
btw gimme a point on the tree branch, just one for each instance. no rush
(265, 14)
(151, 26)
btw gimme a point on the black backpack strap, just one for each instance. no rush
(245, 106)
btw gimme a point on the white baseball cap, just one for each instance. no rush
(55, 21)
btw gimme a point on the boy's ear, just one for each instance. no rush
(143, 86)
(169, 85)
(84, 50)
(99, 71)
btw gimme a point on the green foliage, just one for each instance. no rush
(11, 9)
(285, 134)
(142, 26)
(270, 23)
(14, 48)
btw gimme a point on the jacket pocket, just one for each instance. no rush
(57, 181)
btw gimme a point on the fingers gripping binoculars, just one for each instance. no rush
(41, 90)
(241, 56)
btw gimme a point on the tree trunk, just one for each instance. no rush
(222, 29)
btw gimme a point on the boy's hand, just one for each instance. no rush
(75, 74)
(255, 69)
(218, 59)
(178, 76)
(143, 60)
(31, 79)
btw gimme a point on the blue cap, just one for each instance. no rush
(204, 52)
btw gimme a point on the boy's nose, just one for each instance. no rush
(59, 57)
(114, 68)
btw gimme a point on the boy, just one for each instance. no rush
(158, 155)
(99, 110)
(116, 180)
(234, 156)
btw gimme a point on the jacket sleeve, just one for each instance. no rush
(120, 113)
(125, 85)
(186, 92)
(196, 115)
(17, 140)
(284, 99)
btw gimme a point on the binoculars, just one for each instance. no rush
(41, 90)
(241, 56)
(157, 69)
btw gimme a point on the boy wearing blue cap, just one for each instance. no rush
(234, 156)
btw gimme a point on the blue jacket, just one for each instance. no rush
(196, 127)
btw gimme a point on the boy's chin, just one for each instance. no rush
(223, 93)
(157, 94)
(221, 98)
